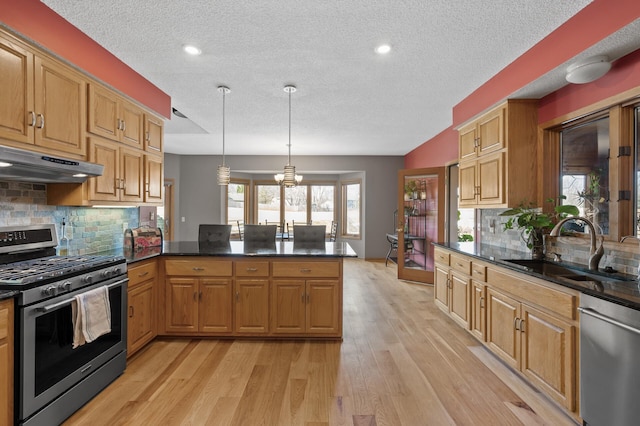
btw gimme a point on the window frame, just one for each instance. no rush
(247, 198)
(343, 209)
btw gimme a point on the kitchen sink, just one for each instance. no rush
(556, 270)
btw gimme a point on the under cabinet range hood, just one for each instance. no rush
(28, 166)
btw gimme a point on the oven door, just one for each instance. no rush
(47, 365)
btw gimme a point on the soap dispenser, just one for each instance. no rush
(63, 244)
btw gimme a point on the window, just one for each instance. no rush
(237, 202)
(268, 203)
(585, 170)
(351, 209)
(322, 205)
(295, 204)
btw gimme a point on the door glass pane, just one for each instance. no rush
(323, 205)
(236, 202)
(351, 207)
(585, 172)
(268, 197)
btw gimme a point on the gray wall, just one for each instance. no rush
(199, 199)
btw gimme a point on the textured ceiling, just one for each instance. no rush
(350, 101)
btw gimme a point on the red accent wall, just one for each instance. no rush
(598, 20)
(436, 152)
(34, 20)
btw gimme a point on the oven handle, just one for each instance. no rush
(591, 312)
(67, 301)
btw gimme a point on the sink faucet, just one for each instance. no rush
(595, 254)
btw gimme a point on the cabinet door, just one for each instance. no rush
(153, 133)
(60, 103)
(468, 139)
(441, 287)
(491, 131)
(154, 177)
(459, 306)
(181, 305)
(288, 302)
(478, 310)
(252, 306)
(548, 354)
(105, 187)
(216, 303)
(503, 334)
(131, 124)
(103, 112)
(17, 115)
(491, 179)
(141, 327)
(467, 184)
(323, 308)
(131, 175)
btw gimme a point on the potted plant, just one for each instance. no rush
(411, 189)
(532, 222)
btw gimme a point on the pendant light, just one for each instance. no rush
(224, 172)
(289, 178)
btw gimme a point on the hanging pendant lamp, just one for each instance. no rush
(224, 172)
(289, 178)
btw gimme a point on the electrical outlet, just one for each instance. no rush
(182, 219)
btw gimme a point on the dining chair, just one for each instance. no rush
(260, 233)
(214, 233)
(333, 234)
(240, 224)
(309, 234)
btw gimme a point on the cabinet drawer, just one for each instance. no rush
(306, 269)
(441, 256)
(141, 273)
(461, 264)
(478, 271)
(252, 269)
(199, 267)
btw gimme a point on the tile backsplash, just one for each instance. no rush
(622, 257)
(88, 230)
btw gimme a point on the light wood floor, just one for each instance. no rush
(402, 362)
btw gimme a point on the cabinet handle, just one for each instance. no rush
(252, 269)
(130, 311)
(124, 125)
(522, 325)
(460, 265)
(308, 298)
(33, 118)
(302, 299)
(516, 323)
(305, 270)
(200, 296)
(197, 268)
(41, 126)
(144, 274)
(481, 302)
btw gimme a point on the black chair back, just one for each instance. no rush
(214, 233)
(260, 233)
(309, 233)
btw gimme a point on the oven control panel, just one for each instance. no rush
(18, 238)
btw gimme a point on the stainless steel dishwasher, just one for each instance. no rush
(609, 363)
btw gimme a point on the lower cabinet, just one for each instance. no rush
(142, 305)
(252, 306)
(305, 307)
(6, 362)
(529, 323)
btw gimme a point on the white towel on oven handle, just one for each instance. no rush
(91, 314)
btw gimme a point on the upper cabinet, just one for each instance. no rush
(114, 117)
(153, 133)
(498, 156)
(43, 101)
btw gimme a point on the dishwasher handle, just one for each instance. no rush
(596, 314)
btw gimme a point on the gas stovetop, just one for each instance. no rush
(45, 269)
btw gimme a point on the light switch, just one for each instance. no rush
(182, 219)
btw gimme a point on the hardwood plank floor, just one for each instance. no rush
(401, 362)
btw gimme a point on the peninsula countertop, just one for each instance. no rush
(240, 249)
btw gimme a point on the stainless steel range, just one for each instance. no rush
(52, 379)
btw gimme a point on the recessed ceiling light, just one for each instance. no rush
(383, 49)
(191, 50)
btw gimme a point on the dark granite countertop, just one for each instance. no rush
(239, 249)
(625, 290)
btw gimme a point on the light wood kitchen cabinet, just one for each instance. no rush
(198, 296)
(306, 298)
(252, 306)
(113, 117)
(478, 310)
(153, 133)
(497, 154)
(142, 310)
(153, 179)
(452, 286)
(43, 101)
(6, 362)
